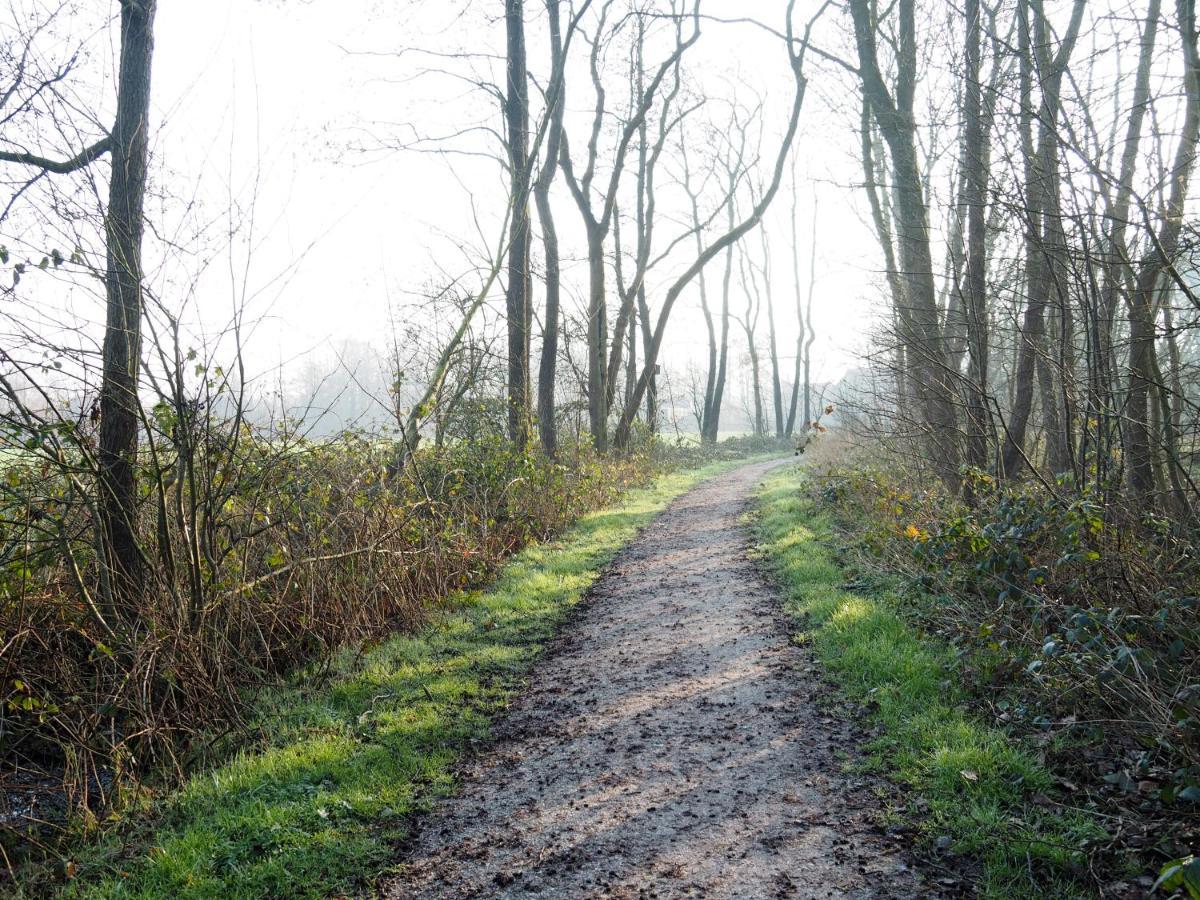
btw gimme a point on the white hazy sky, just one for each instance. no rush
(264, 107)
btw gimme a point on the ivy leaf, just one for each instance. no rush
(1180, 873)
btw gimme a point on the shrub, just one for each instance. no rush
(1078, 619)
(264, 552)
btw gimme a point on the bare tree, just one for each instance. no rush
(1043, 220)
(548, 366)
(1143, 366)
(119, 409)
(597, 210)
(926, 362)
(518, 289)
(733, 161)
(796, 49)
(801, 384)
(633, 310)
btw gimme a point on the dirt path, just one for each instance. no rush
(671, 745)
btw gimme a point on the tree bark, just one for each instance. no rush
(1042, 207)
(548, 365)
(1143, 362)
(517, 291)
(122, 353)
(921, 335)
(975, 161)
(597, 337)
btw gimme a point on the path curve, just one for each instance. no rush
(671, 744)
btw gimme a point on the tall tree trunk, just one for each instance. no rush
(1171, 400)
(760, 424)
(122, 354)
(772, 344)
(633, 311)
(881, 217)
(548, 366)
(1030, 337)
(920, 318)
(801, 318)
(631, 349)
(633, 298)
(1143, 362)
(974, 196)
(1043, 228)
(718, 394)
(517, 291)
(627, 298)
(808, 342)
(597, 337)
(710, 378)
(651, 370)
(750, 327)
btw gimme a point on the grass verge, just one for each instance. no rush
(970, 788)
(347, 760)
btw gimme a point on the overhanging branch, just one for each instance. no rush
(60, 167)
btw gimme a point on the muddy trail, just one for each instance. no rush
(673, 743)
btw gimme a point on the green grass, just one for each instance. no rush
(319, 807)
(963, 779)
